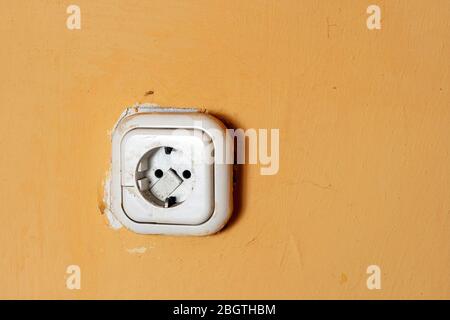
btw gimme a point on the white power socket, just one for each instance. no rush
(160, 180)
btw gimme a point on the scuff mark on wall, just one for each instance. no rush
(103, 204)
(343, 278)
(139, 250)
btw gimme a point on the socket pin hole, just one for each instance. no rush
(158, 173)
(186, 174)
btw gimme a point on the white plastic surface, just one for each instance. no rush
(191, 197)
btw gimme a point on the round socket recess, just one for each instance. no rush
(167, 176)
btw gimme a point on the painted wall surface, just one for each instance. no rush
(364, 119)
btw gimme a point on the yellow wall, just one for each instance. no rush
(364, 119)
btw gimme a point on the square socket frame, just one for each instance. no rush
(150, 117)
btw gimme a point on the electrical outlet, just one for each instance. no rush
(163, 179)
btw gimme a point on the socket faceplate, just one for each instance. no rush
(161, 182)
